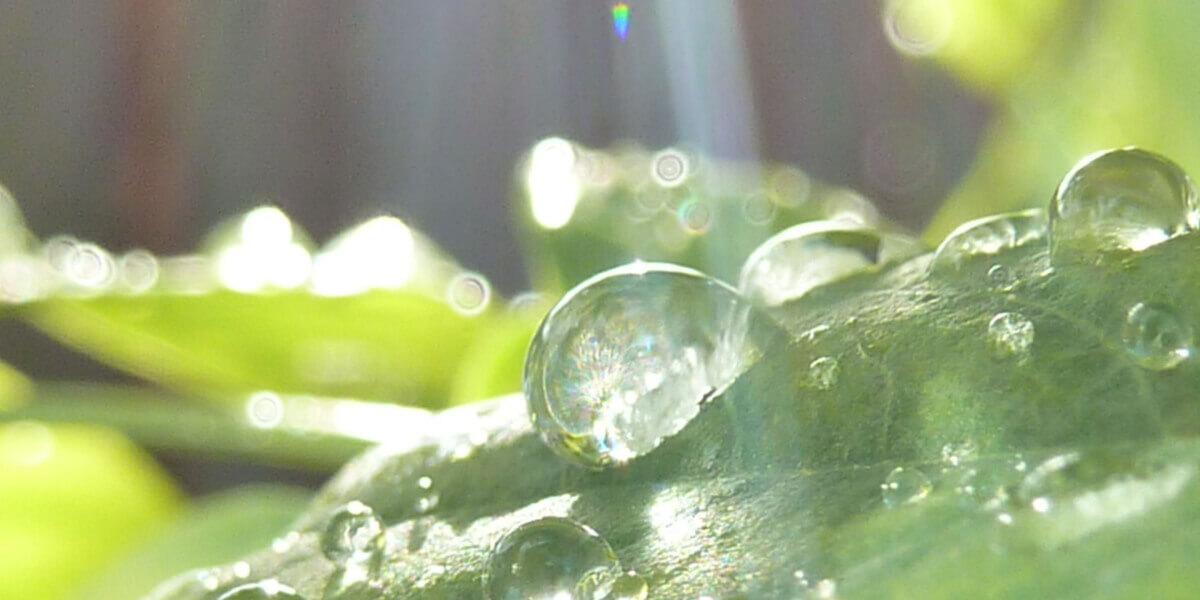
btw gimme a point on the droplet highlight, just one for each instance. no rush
(905, 486)
(551, 558)
(626, 358)
(1010, 335)
(810, 255)
(1155, 337)
(352, 532)
(981, 248)
(269, 589)
(1122, 199)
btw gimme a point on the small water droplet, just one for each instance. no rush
(982, 246)
(551, 557)
(428, 498)
(469, 293)
(1155, 337)
(1010, 335)
(285, 542)
(956, 454)
(905, 486)
(139, 270)
(241, 569)
(353, 532)
(268, 589)
(1125, 198)
(823, 372)
(809, 255)
(628, 586)
(670, 167)
(625, 359)
(695, 216)
(758, 209)
(264, 410)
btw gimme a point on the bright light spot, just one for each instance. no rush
(25, 443)
(58, 249)
(1005, 518)
(673, 520)
(425, 482)
(241, 569)
(289, 266)
(380, 254)
(826, 588)
(469, 293)
(139, 270)
(917, 27)
(846, 205)
(18, 280)
(552, 182)
(186, 274)
(264, 410)
(1040, 504)
(266, 226)
(670, 167)
(239, 270)
(89, 266)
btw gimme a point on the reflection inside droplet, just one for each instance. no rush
(469, 293)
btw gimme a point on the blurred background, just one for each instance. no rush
(141, 124)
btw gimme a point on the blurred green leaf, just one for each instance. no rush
(1115, 74)
(1067, 469)
(383, 345)
(214, 530)
(71, 497)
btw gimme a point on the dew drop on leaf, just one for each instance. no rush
(823, 372)
(268, 589)
(628, 586)
(1155, 337)
(809, 255)
(1010, 335)
(978, 247)
(551, 557)
(626, 358)
(1122, 199)
(904, 486)
(354, 531)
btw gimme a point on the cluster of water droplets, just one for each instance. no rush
(558, 558)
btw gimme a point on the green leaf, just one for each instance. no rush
(216, 529)
(395, 346)
(72, 496)
(1108, 74)
(1061, 469)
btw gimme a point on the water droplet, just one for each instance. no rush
(550, 558)
(809, 255)
(89, 266)
(823, 372)
(670, 167)
(1126, 198)
(695, 216)
(975, 246)
(626, 358)
(139, 270)
(469, 293)
(758, 209)
(790, 187)
(917, 27)
(904, 486)
(20, 280)
(264, 410)
(1155, 337)
(958, 453)
(268, 589)
(241, 569)
(353, 532)
(629, 586)
(1010, 334)
(427, 498)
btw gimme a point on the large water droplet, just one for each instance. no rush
(626, 358)
(1126, 198)
(1010, 335)
(976, 249)
(551, 558)
(353, 531)
(808, 255)
(268, 589)
(1155, 337)
(904, 486)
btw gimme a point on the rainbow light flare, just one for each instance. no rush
(620, 17)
